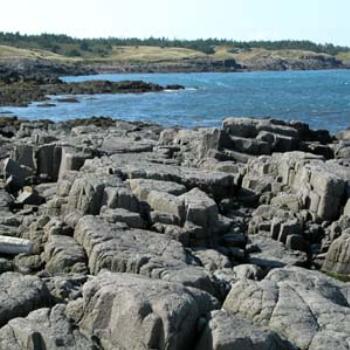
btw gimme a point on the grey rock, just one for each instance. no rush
(302, 306)
(143, 313)
(63, 254)
(43, 329)
(338, 256)
(27, 293)
(122, 215)
(228, 331)
(120, 249)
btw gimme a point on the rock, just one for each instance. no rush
(27, 264)
(29, 196)
(122, 215)
(15, 173)
(48, 161)
(72, 159)
(167, 203)
(24, 154)
(142, 187)
(63, 254)
(90, 192)
(44, 329)
(269, 254)
(65, 288)
(212, 259)
(14, 246)
(229, 331)
(27, 294)
(338, 256)
(300, 305)
(347, 208)
(5, 265)
(120, 249)
(201, 210)
(249, 271)
(143, 313)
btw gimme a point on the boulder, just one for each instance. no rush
(27, 294)
(125, 311)
(44, 329)
(305, 307)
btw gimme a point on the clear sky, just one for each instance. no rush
(317, 20)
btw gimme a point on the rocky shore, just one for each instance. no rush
(23, 83)
(120, 235)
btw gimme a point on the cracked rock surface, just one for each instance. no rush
(128, 235)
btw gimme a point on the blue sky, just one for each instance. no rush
(318, 20)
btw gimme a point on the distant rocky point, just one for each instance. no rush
(21, 85)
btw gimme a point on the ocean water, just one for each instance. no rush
(319, 98)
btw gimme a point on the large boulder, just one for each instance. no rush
(126, 311)
(20, 294)
(307, 308)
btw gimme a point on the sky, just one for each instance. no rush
(317, 20)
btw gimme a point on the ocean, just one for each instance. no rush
(319, 98)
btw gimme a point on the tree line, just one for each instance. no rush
(70, 46)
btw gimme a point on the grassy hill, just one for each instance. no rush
(172, 55)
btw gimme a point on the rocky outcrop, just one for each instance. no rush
(128, 235)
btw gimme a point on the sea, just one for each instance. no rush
(319, 98)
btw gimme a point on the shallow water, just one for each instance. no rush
(320, 98)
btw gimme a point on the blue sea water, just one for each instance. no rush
(320, 98)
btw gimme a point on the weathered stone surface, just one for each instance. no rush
(19, 295)
(63, 254)
(300, 305)
(212, 259)
(142, 187)
(228, 331)
(143, 313)
(201, 210)
(132, 219)
(91, 191)
(121, 249)
(43, 329)
(338, 256)
(268, 253)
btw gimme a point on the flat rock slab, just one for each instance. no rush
(118, 248)
(272, 254)
(142, 187)
(19, 295)
(126, 311)
(43, 329)
(306, 307)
